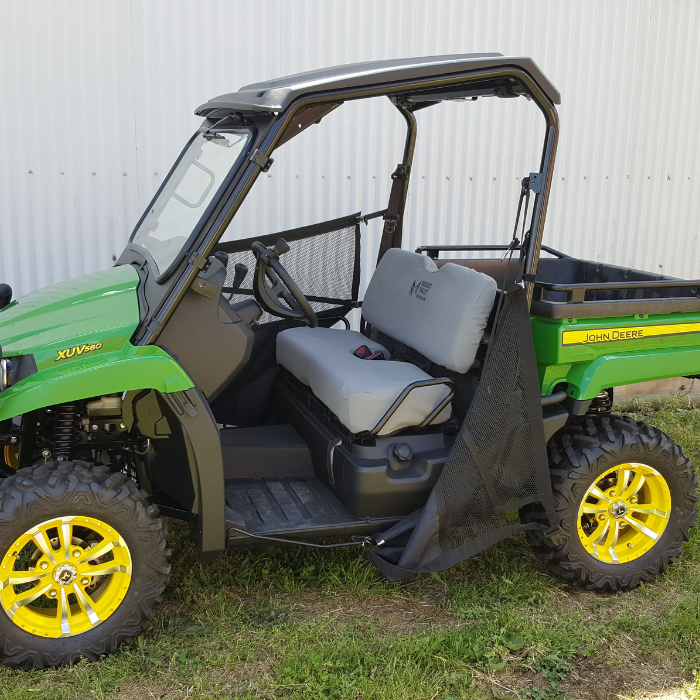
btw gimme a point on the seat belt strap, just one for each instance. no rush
(393, 216)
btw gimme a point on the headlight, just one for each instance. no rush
(7, 373)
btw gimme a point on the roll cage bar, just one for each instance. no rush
(432, 81)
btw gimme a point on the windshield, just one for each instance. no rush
(186, 195)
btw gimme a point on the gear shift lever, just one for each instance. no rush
(240, 273)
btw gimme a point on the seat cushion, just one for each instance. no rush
(359, 392)
(440, 312)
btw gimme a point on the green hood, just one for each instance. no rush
(86, 316)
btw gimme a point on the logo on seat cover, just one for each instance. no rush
(420, 289)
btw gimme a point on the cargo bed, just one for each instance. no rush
(567, 287)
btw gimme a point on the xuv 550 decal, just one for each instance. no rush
(77, 350)
(610, 335)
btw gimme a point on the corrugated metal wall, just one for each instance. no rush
(96, 100)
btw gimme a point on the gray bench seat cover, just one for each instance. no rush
(440, 312)
(359, 392)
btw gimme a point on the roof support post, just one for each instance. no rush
(532, 255)
(393, 217)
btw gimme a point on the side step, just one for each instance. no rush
(290, 507)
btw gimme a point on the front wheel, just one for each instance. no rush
(625, 499)
(83, 561)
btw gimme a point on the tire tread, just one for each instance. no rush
(573, 456)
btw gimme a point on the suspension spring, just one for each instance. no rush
(65, 431)
(601, 404)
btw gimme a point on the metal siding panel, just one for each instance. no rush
(109, 88)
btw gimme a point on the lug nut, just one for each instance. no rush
(613, 494)
(52, 593)
(633, 499)
(84, 581)
(76, 553)
(44, 565)
(601, 517)
(630, 545)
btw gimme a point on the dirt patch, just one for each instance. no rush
(219, 681)
(634, 677)
(397, 614)
(633, 680)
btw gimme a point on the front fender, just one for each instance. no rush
(130, 368)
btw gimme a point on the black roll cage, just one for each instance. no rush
(211, 230)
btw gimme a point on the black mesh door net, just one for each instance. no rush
(323, 259)
(498, 463)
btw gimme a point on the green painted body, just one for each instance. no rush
(588, 368)
(79, 334)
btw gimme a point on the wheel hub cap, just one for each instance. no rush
(618, 509)
(65, 576)
(624, 512)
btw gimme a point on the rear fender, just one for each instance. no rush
(587, 379)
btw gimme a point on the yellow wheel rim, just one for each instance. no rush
(11, 454)
(64, 576)
(624, 513)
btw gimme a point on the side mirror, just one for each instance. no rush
(5, 295)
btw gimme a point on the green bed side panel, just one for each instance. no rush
(593, 354)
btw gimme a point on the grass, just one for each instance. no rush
(299, 623)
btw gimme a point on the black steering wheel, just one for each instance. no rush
(274, 288)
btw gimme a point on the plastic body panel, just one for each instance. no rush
(364, 477)
(206, 467)
(264, 451)
(372, 485)
(589, 367)
(101, 308)
(206, 335)
(79, 335)
(278, 94)
(292, 507)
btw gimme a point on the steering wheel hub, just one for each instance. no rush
(274, 288)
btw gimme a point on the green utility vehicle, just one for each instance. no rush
(220, 382)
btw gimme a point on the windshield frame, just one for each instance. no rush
(161, 276)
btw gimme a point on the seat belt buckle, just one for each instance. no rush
(364, 353)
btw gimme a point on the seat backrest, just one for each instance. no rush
(440, 312)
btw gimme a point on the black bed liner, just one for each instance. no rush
(567, 287)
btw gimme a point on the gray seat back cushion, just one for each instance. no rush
(440, 312)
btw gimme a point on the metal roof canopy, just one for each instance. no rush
(422, 81)
(278, 94)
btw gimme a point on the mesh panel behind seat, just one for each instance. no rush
(492, 466)
(497, 463)
(324, 260)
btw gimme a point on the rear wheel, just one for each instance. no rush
(83, 561)
(625, 499)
